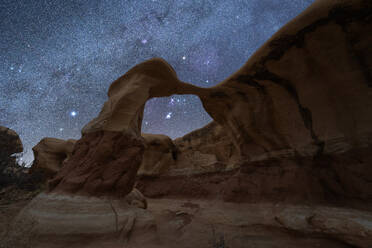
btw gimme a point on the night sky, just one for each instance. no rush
(58, 58)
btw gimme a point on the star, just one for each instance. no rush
(73, 113)
(184, 57)
(144, 41)
(168, 116)
(61, 129)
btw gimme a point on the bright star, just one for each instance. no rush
(144, 41)
(169, 115)
(61, 129)
(207, 81)
(73, 113)
(184, 57)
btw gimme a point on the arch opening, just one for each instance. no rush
(174, 116)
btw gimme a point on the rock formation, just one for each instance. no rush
(160, 154)
(293, 126)
(10, 143)
(268, 107)
(298, 111)
(307, 89)
(107, 157)
(49, 155)
(205, 149)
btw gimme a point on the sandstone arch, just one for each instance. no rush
(285, 100)
(107, 157)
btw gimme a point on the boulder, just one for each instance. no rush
(50, 153)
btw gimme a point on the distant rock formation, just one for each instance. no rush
(10, 143)
(50, 153)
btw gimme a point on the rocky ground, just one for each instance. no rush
(12, 201)
(217, 224)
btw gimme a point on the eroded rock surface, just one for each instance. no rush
(160, 154)
(50, 153)
(206, 149)
(87, 221)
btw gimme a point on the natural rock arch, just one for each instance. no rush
(106, 159)
(284, 101)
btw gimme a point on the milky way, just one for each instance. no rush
(59, 57)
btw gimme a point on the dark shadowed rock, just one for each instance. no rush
(10, 143)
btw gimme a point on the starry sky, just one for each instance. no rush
(58, 57)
